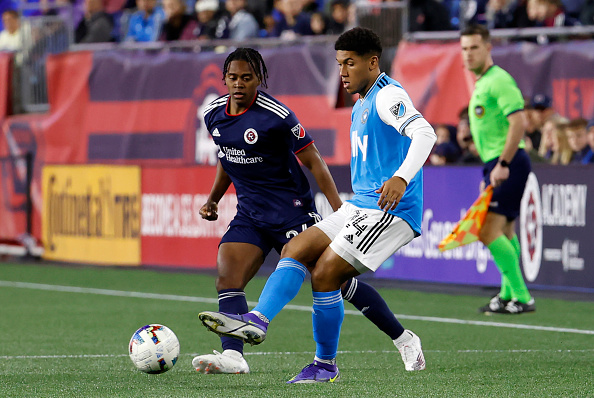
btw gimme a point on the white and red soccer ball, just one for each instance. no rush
(154, 348)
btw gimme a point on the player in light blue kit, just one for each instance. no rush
(390, 142)
(259, 141)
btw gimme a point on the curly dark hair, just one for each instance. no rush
(362, 41)
(253, 58)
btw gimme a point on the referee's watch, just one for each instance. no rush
(503, 163)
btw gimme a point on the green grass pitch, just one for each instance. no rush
(65, 333)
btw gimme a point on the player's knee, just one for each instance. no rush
(295, 250)
(486, 236)
(323, 280)
(230, 282)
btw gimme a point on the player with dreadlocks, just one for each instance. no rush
(259, 141)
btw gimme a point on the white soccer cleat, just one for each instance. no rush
(229, 361)
(411, 352)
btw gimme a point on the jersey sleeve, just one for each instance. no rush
(299, 137)
(395, 108)
(509, 97)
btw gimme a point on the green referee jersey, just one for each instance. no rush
(496, 95)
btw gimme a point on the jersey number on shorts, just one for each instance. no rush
(292, 233)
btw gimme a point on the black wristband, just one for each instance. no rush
(503, 163)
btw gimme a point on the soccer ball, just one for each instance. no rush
(154, 348)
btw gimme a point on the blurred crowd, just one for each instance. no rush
(96, 21)
(169, 20)
(549, 138)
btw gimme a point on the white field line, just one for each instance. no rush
(283, 353)
(173, 297)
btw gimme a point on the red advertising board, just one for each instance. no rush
(172, 232)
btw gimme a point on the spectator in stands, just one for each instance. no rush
(7, 5)
(578, 140)
(543, 107)
(317, 22)
(537, 109)
(10, 36)
(551, 13)
(292, 20)
(470, 156)
(587, 13)
(145, 24)
(468, 152)
(554, 147)
(178, 25)
(443, 134)
(239, 24)
(339, 14)
(207, 12)
(442, 151)
(268, 24)
(96, 26)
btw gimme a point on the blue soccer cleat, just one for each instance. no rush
(247, 327)
(316, 373)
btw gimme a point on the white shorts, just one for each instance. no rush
(365, 238)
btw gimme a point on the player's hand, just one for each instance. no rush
(498, 175)
(391, 192)
(209, 211)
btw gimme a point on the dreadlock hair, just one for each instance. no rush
(253, 58)
(362, 41)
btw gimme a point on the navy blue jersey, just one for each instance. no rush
(257, 150)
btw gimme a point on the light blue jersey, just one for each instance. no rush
(380, 143)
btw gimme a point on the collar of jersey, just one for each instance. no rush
(246, 109)
(487, 71)
(372, 86)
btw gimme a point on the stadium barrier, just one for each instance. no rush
(91, 214)
(126, 215)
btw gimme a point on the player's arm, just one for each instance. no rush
(311, 158)
(408, 122)
(221, 183)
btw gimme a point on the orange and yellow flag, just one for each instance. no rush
(467, 229)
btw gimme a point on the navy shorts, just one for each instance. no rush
(508, 196)
(244, 230)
